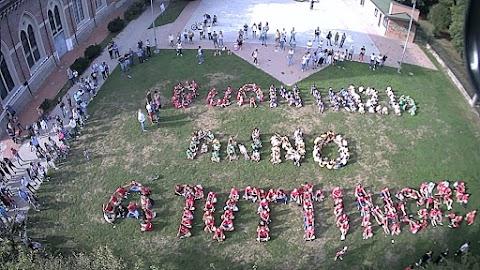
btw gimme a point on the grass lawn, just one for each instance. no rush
(172, 11)
(441, 142)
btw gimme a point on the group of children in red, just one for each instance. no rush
(389, 218)
(264, 198)
(114, 209)
(220, 102)
(342, 221)
(227, 216)
(242, 95)
(183, 95)
(190, 193)
(305, 196)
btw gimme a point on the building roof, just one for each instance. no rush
(399, 16)
(8, 5)
(382, 5)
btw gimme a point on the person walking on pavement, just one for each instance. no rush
(329, 38)
(290, 56)
(344, 36)
(255, 57)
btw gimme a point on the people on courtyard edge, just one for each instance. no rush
(200, 55)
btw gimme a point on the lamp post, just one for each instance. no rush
(153, 24)
(399, 71)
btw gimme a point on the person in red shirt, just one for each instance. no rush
(234, 194)
(183, 232)
(146, 226)
(209, 206)
(198, 190)
(262, 233)
(228, 214)
(295, 196)
(149, 214)
(414, 226)
(114, 201)
(219, 235)
(395, 229)
(209, 222)
(309, 233)
(367, 232)
(121, 192)
(132, 210)
(470, 217)
(212, 196)
(227, 225)
(339, 255)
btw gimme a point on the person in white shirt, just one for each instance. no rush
(179, 48)
(372, 61)
(309, 45)
(304, 62)
(290, 56)
(255, 57)
(141, 118)
(73, 125)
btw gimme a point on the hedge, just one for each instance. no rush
(116, 25)
(92, 51)
(135, 10)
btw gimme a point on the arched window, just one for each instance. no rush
(6, 81)
(52, 22)
(78, 10)
(99, 4)
(58, 21)
(55, 21)
(30, 47)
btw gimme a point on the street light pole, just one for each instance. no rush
(399, 71)
(153, 24)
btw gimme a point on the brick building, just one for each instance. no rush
(390, 18)
(34, 35)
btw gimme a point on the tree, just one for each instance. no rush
(423, 5)
(458, 11)
(440, 17)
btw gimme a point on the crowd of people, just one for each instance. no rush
(441, 258)
(429, 201)
(343, 150)
(296, 154)
(201, 140)
(183, 95)
(115, 208)
(341, 218)
(190, 193)
(349, 99)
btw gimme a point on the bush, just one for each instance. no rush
(81, 64)
(134, 11)
(440, 17)
(47, 104)
(116, 25)
(92, 51)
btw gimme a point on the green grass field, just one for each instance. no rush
(441, 142)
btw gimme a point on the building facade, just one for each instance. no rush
(34, 35)
(391, 19)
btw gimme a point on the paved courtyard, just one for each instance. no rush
(329, 15)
